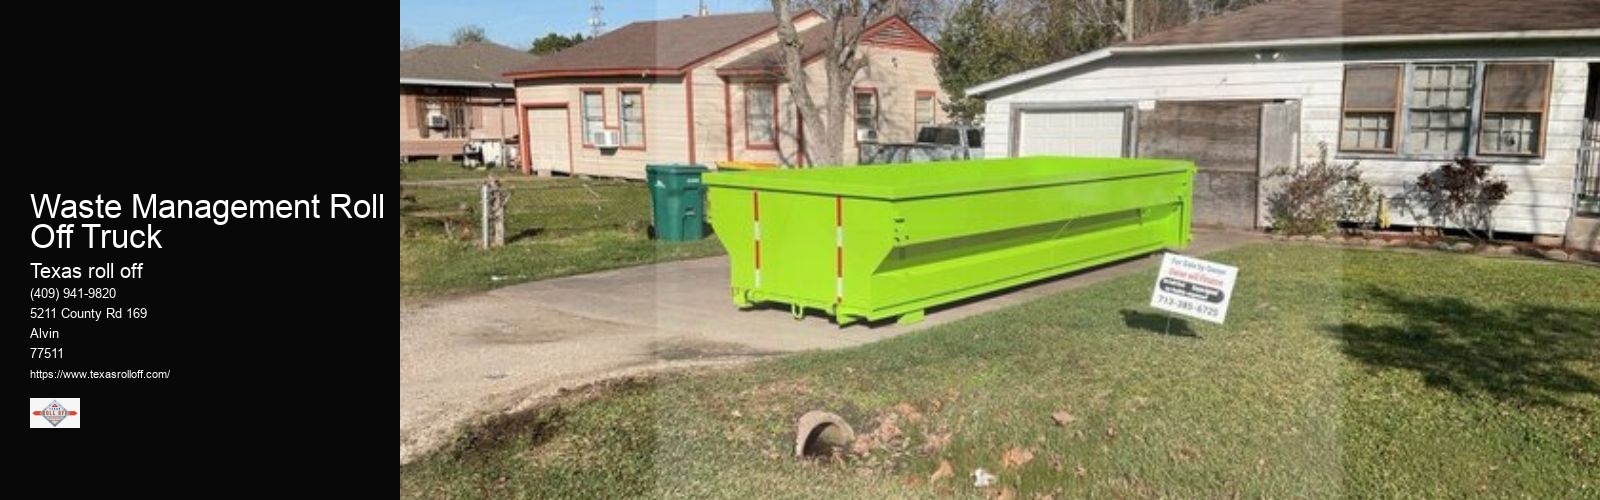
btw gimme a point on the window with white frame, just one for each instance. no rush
(631, 103)
(1439, 108)
(594, 114)
(866, 111)
(760, 109)
(923, 110)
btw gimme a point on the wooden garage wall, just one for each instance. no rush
(1223, 140)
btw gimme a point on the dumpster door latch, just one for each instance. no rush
(900, 233)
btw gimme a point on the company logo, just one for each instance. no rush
(55, 412)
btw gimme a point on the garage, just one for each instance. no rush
(547, 144)
(1100, 132)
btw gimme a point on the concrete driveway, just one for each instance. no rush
(466, 357)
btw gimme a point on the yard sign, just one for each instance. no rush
(1194, 288)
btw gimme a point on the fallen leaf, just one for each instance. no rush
(1111, 431)
(862, 445)
(1080, 471)
(736, 414)
(1186, 453)
(1015, 457)
(945, 470)
(1005, 494)
(936, 442)
(888, 431)
(909, 412)
(1043, 496)
(1062, 417)
(911, 481)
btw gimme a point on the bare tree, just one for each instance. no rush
(842, 60)
(470, 33)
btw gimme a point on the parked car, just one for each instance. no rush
(934, 143)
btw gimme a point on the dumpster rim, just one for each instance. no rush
(801, 185)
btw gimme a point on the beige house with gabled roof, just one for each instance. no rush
(702, 90)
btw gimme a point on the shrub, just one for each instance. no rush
(1313, 198)
(1459, 193)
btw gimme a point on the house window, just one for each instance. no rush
(443, 117)
(866, 112)
(760, 111)
(1439, 107)
(631, 103)
(594, 114)
(923, 109)
(1371, 106)
(1514, 101)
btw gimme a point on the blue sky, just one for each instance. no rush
(516, 23)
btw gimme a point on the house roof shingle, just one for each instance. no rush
(768, 59)
(890, 31)
(653, 46)
(471, 62)
(1310, 19)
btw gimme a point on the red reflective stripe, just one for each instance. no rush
(838, 261)
(755, 204)
(758, 255)
(838, 211)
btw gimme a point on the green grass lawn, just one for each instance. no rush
(1339, 373)
(429, 170)
(554, 227)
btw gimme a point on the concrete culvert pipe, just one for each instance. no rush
(821, 434)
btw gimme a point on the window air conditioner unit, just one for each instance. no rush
(437, 120)
(866, 135)
(603, 138)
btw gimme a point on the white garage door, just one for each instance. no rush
(548, 140)
(1071, 133)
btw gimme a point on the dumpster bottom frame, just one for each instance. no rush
(915, 311)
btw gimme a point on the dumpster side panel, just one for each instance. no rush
(781, 246)
(797, 249)
(733, 218)
(959, 246)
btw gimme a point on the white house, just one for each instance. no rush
(1400, 86)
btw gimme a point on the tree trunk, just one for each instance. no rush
(826, 127)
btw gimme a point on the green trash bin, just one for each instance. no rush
(677, 200)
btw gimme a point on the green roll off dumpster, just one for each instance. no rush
(876, 242)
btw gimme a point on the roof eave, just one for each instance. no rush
(604, 72)
(1079, 60)
(436, 82)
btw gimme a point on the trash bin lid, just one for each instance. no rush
(674, 168)
(942, 178)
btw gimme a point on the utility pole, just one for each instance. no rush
(596, 25)
(1127, 19)
(704, 11)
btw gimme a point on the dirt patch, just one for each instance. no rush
(539, 422)
(693, 349)
(501, 332)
